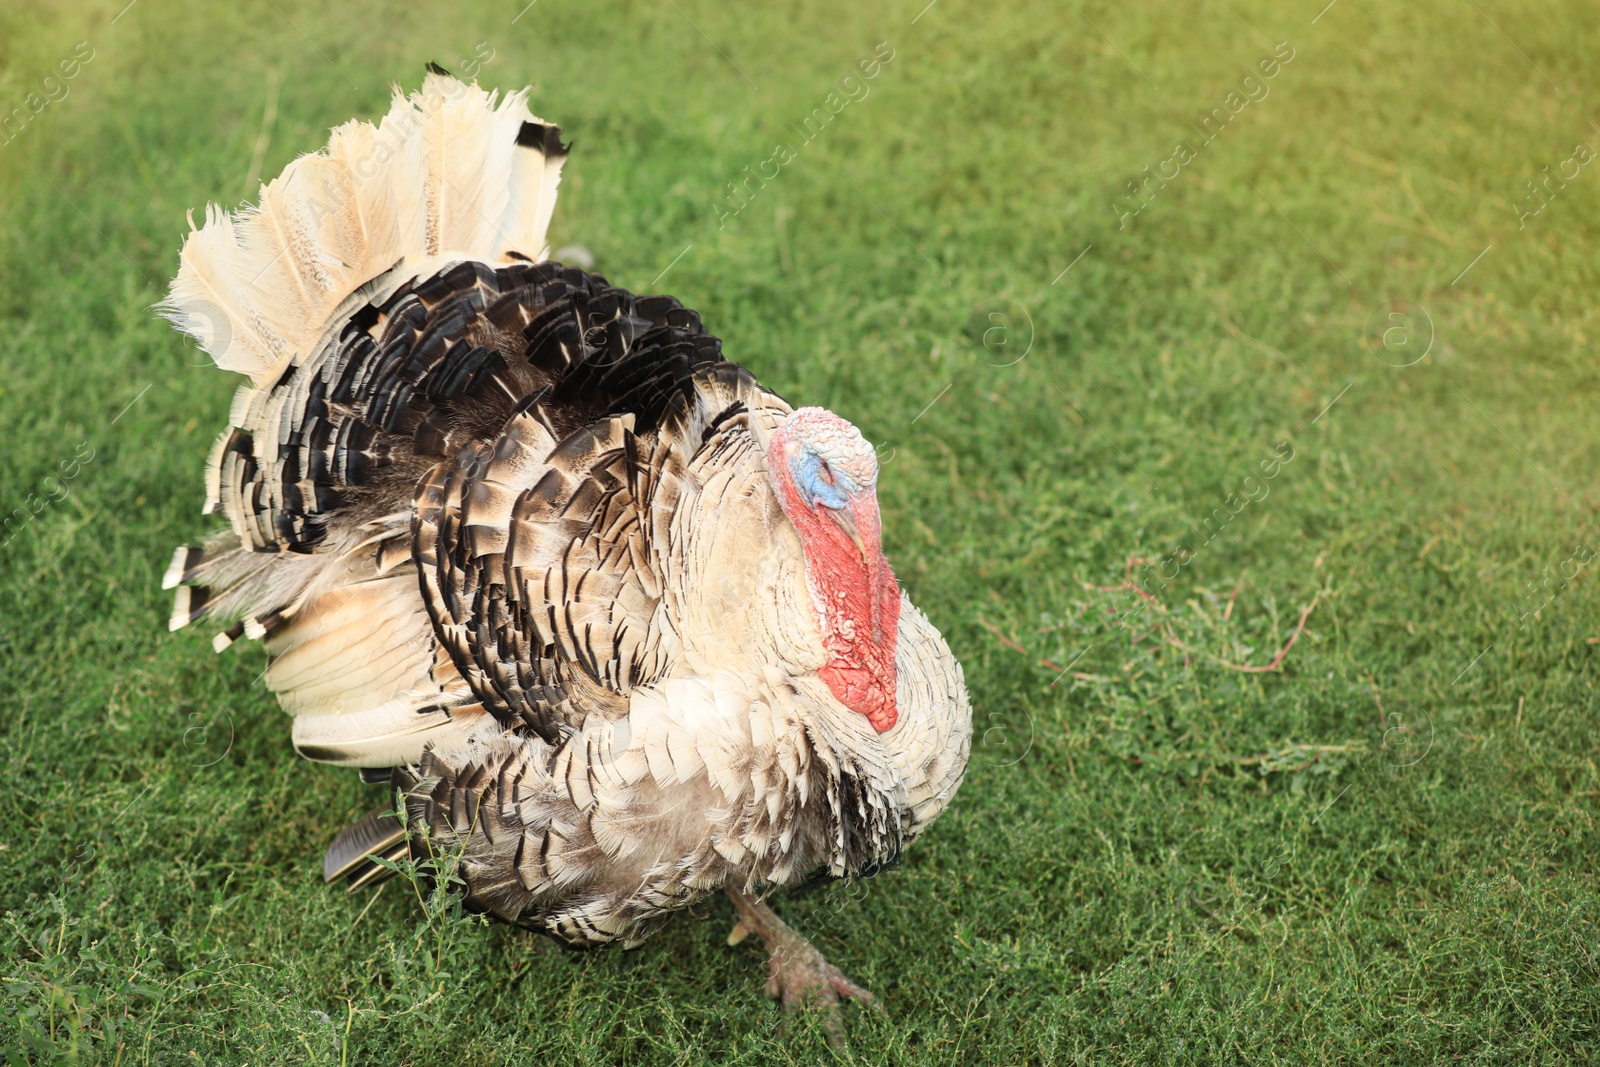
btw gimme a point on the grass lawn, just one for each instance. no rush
(1380, 850)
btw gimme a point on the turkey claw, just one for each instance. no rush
(798, 976)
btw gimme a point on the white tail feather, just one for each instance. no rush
(442, 176)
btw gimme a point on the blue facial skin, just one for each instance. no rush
(806, 468)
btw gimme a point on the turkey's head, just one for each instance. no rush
(826, 476)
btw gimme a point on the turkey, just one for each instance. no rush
(613, 620)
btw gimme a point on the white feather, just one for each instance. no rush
(440, 177)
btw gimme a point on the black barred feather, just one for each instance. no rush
(376, 833)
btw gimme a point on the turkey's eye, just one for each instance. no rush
(825, 474)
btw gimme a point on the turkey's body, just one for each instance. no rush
(513, 533)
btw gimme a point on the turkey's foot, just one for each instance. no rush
(797, 974)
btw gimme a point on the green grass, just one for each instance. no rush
(1381, 852)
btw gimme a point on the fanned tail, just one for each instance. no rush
(449, 173)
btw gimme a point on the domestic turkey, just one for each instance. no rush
(613, 620)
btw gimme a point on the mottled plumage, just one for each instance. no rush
(511, 534)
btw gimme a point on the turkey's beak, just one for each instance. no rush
(847, 523)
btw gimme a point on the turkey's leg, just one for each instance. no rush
(797, 973)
